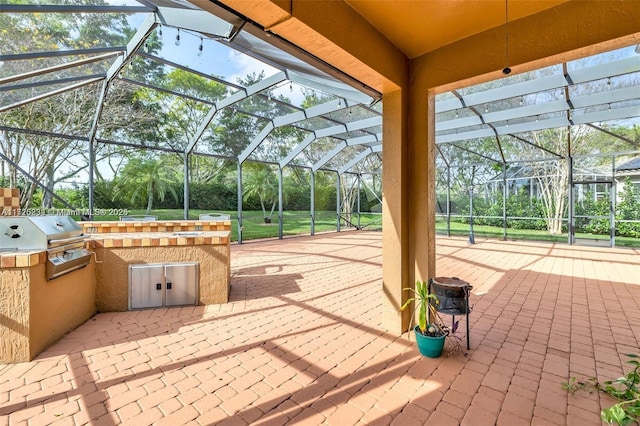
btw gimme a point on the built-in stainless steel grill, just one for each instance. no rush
(61, 236)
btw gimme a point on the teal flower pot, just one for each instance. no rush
(429, 346)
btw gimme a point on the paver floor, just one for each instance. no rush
(301, 343)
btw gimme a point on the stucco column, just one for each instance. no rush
(395, 220)
(408, 185)
(420, 145)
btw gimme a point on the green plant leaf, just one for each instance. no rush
(406, 304)
(614, 414)
(422, 317)
(633, 410)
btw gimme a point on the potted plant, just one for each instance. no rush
(429, 334)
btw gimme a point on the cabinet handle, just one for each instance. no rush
(168, 286)
(159, 286)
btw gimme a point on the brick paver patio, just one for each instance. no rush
(301, 343)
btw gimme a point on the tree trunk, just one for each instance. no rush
(264, 210)
(47, 198)
(149, 202)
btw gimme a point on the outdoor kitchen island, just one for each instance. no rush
(148, 246)
(47, 283)
(115, 253)
(36, 312)
(39, 304)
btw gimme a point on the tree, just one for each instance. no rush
(552, 177)
(144, 178)
(50, 159)
(629, 205)
(262, 182)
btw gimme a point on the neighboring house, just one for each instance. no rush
(631, 170)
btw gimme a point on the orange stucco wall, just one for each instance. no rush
(60, 305)
(34, 313)
(113, 275)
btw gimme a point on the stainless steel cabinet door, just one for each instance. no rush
(146, 286)
(181, 284)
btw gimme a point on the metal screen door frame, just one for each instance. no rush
(578, 240)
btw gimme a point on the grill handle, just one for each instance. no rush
(67, 240)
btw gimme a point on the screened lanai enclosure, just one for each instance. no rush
(549, 154)
(110, 106)
(128, 108)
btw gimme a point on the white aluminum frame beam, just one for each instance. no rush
(361, 140)
(138, 39)
(327, 131)
(297, 150)
(187, 69)
(367, 139)
(611, 69)
(197, 20)
(358, 158)
(59, 53)
(552, 123)
(59, 8)
(314, 111)
(58, 67)
(328, 156)
(600, 98)
(230, 100)
(49, 94)
(357, 97)
(8, 88)
(350, 127)
(163, 90)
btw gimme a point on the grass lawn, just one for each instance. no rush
(294, 222)
(457, 228)
(299, 223)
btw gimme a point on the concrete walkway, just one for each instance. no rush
(301, 343)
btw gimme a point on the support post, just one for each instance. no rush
(338, 204)
(239, 183)
(358, 200)
(504, 201)
(186, 186)
(313, 202)
(613, 192)
(448, 201)
(92, 160)
(472, 239)
(280, 203)
(571, 225)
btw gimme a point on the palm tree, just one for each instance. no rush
(147, 178)
(263, 183)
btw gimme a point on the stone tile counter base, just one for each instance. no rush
(115, 252)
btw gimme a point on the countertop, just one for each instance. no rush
(28, 258)
(159, 239)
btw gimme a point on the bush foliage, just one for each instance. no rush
(524, 212)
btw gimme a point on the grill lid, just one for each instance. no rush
(37, 232)
(61, 236)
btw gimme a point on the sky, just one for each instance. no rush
(216, 58)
